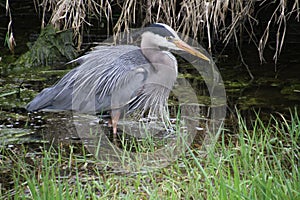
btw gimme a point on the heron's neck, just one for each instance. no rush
(150, 50)
(152, 54)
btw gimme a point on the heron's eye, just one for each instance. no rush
(169, 38)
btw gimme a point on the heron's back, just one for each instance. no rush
(90, 87)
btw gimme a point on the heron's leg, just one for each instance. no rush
(115, 116)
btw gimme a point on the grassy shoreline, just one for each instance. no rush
(259, 161)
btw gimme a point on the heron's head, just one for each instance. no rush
(162, 35)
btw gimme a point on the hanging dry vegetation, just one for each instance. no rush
(221, 20)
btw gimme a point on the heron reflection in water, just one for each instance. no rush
(120, 79)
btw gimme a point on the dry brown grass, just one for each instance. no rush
(9, 39)
(221, 20)
(72, 13)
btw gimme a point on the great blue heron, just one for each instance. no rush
(119, 79)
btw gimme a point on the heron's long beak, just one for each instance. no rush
(184, 46)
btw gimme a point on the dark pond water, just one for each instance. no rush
(273, 89)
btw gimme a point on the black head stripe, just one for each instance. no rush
(160, 30)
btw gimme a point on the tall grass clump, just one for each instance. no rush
(259, 161)
(262, 162)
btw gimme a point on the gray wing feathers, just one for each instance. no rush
(104, 75)
(118, 73)
(53, 97)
